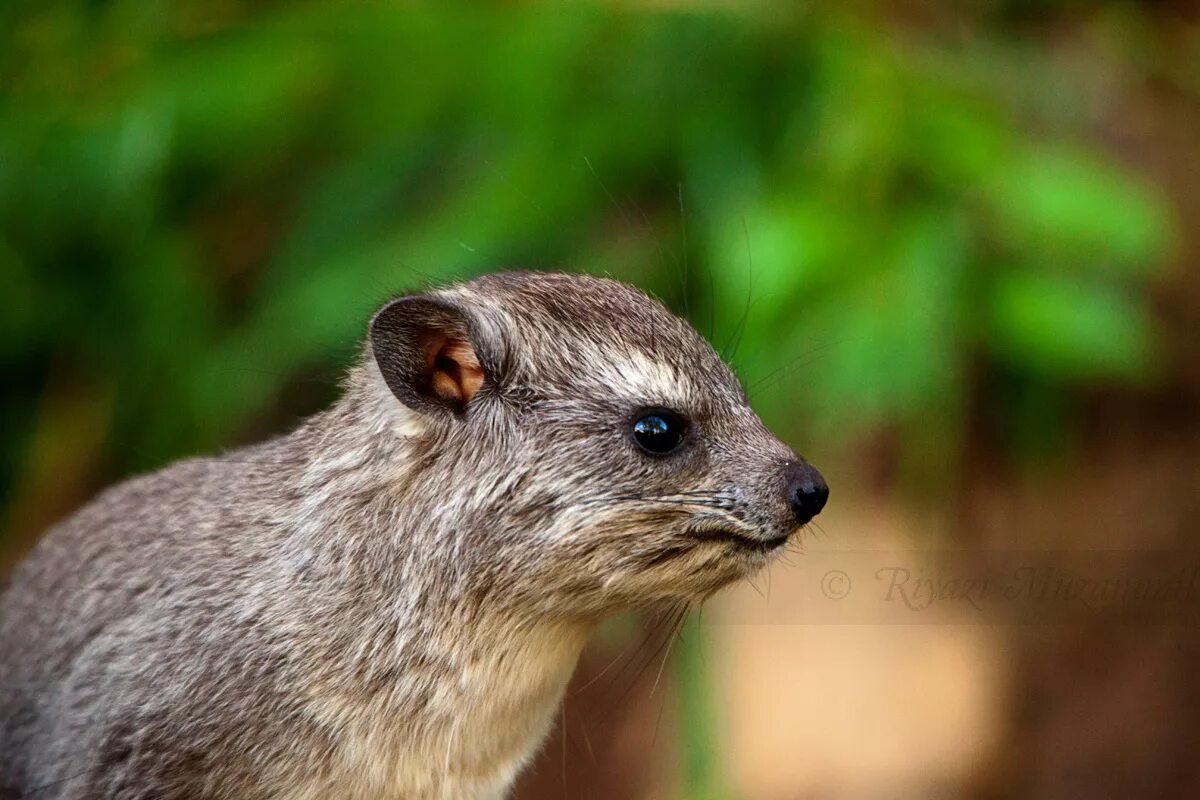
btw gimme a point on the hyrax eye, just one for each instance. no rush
(659, 431)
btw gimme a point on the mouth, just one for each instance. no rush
(741, 540)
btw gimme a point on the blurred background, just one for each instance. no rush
(952, 249)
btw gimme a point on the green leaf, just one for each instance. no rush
(1080, 212)
(1061, 328)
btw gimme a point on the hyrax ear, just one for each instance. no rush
(428, 352)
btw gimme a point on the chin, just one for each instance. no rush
(689, 568)
(714, 567)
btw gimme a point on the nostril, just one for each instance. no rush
(807, 492)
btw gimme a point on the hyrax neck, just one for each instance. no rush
(501, 702)
(462, 709)
(431, 688)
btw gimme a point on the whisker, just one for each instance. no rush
(669, 620)
(802, 359)
(600, 674)
(687, 313)
(587, 741)
(665, 501)
(677, 627)
(662, 255)
(740, 328)
(620, 209)
(677, 634)
(562, 705)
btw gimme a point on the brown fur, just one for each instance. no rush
(388, 602)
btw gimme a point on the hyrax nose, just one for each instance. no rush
(806, 492)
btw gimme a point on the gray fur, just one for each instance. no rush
(387, 602)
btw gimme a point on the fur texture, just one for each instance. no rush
(389, 601)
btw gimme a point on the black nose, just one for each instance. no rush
(806, 492)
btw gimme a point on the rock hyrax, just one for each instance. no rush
(388, 602)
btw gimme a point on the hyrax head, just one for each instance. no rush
(579, 448)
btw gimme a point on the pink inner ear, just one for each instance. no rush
(457, 374)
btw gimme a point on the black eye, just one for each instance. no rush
(659, 431)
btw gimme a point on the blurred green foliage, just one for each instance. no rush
(200, 203)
